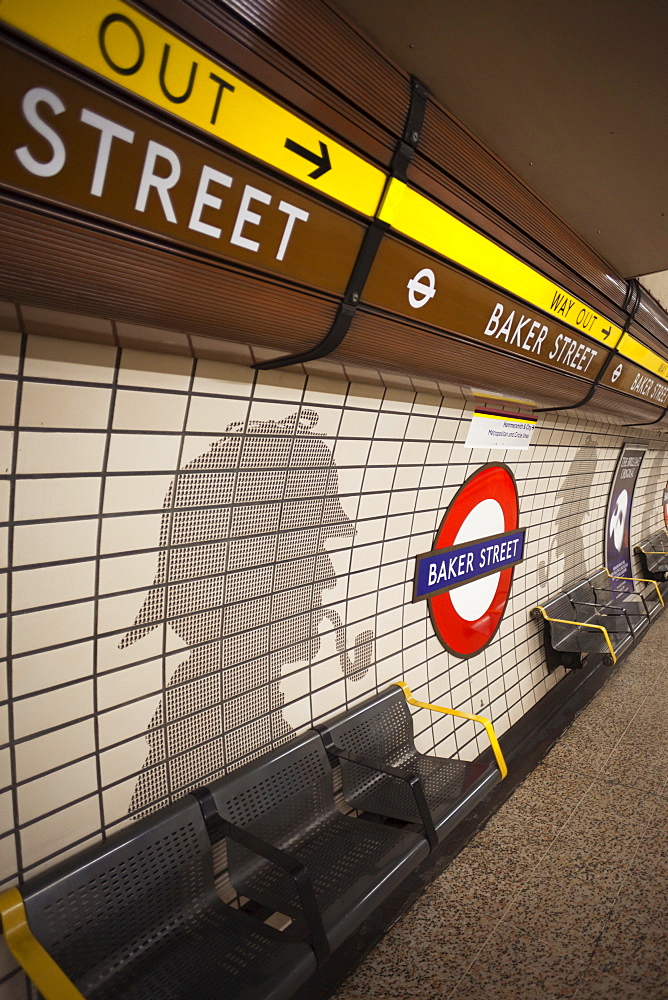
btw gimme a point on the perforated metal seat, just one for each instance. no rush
(595, 597)
(381, 730)
(138, 918)
(567, 637)
(653, 556)
(287, 799)
(641, 599)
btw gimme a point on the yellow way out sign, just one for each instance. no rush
(409, 212)
(123, 45)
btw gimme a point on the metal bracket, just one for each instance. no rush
(372, 239)
(405, 151)
(347, 308)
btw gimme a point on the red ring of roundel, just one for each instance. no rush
(461, 637)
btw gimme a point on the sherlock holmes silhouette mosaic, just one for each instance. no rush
(241, 572)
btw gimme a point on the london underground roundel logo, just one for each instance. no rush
(466, 577)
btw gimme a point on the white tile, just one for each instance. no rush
(279, 385)
(216, 414)
(351, 452)
(4, 499)
(130, 532)
(56, 790)
(413, 453)
(135, 493)
(357, 423)
(392, 426)
(359, 609)
(38, 629)
(40, 543)
(6, 812)
(363, 582)
(7, 402)
(263, 411)
(6, 452)
(127, 572)
(327, 700)
(326, 420)
(110, 656)
(121, 724)
(295, 686)
(364, 396)
(60, 831)
(60, 452)
(35, 588)
(399, 400)
(403, 502)
(117, 800)
(5, 767)
(223, 379)
(117, 614)
(45, 404)
(118, 686)
(143, 453)
(71, 360)
(149, 411)
(67, 497)
(366, 556)
(8, 866)
(384, 453)
(326, 391)
(146, 369)
(54, 749)
(55, 708)
(123, 761)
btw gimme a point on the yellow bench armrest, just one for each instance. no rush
(567, 621)
(46, 974)
(637, 579)
(460, 715)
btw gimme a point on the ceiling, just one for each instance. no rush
(571, 94)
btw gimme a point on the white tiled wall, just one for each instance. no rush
(328, 489)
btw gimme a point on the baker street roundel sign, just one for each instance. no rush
(466, 577)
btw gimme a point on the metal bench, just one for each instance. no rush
(384, 774)
(286, 798)
(653, 556)
(137, 917)
(641, 599)
(573, 631)
(595, 595)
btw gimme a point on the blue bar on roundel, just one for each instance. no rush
(443, 569)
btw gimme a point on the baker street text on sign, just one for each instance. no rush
(88, 151)
(132, 50)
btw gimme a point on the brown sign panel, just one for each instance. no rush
(405, 280)
(74, 146)
(624, 376)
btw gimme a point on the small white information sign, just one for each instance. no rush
(500, 430)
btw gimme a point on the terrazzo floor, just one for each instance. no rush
(563, 893)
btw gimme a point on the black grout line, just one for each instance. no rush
(10, 632)
(96, 585)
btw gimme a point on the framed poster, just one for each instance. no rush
(617, 542)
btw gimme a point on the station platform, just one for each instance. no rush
(563, 892)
